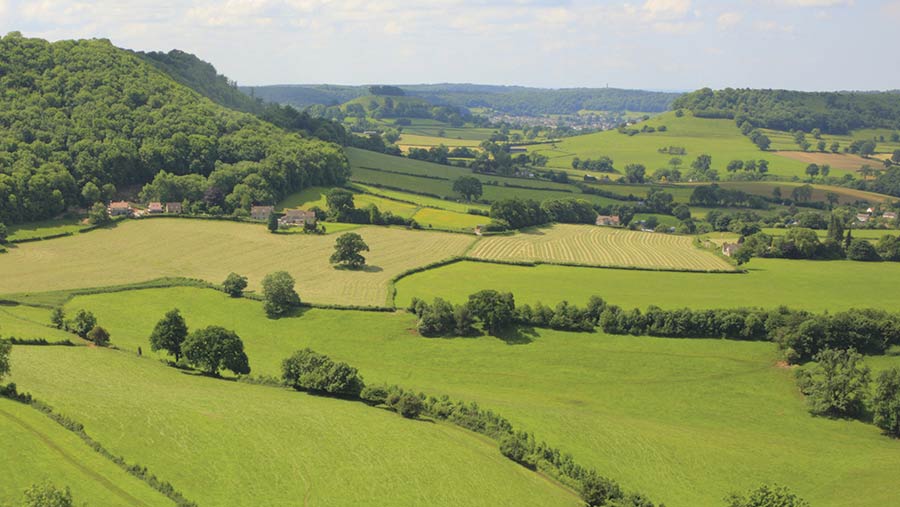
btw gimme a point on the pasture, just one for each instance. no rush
(230, 443)
(685, 421)
(44, 228)
(459, 205)
(766, 188)
(36, 449)
(599, 246)
(29, 322)
(140, 250)
(811, 285)
(782, 140)
(719, 138)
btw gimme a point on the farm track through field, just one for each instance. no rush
(73, 461)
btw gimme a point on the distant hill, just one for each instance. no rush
(516, 100)
(82, 120)
(831, 112)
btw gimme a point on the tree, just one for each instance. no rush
(58, 318)
(832, 198)
(821, 145)
(99, 336)
(682, 212)
(493, 309)
(311, 371)
(812, 170)
(47, 495)
(409, 405)
(215, 348)
(867, 149)
(735, 166)
(767, 496)
(98, 214)
(597, 490)
(776, 193)
(3, 232)
(468, 186)
(279, 294)
(702, 163)
(5, 348)
(234, 285)
(835, 147)
(273, 222)
(339, 203)
(169, 334)
(886, 402)
(634, 173)
(837, 385)
(82, 323)
(862, 250)
(347, 250)
(895, 157)
(90, 193)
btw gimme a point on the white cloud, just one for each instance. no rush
(727, 20)
(816, 3)
(774, 27)
(666, 9)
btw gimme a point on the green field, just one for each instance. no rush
(685, 421)
(719, 138)
(408, 140)
(43, 228)
(769, 283)
(599, 246)
(765, 189)
(229, 443)
(785, 140)
(449, 205)
(28, 322)
(141, 250)
(36, 449)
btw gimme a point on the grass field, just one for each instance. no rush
(143, 250)
(37, 449)
(841, 161)
(599, 246)
(782, 140)
(228, 443)
(408, 140)
(28, 322)
(719, 138)
(685, 421)
(812, 285)
(458, 206)
(765, 189)
(43, 228)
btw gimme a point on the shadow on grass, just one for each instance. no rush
(537, 230)
(363, 269)
(517, 335)
(297, 311)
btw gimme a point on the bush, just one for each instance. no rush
(307, 370)
(234, 285)
(767, 496)
(409, 405)
(862, 250)
(886, 402)
(82, 323)
(47, 495)
(374, 395)
(597, 490)
(279, 294)
(838, 385)
(99, 336)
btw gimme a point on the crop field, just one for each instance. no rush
(843, 161)
(685, 421)
(769, 283)
(36, 449)
(229, 443)
(719, 138)
(599, 246)
(141, 250)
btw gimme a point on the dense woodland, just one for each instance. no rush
(830, 112)
(81, 121)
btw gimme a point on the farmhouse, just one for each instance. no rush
(261, 212)
(155, 207)
(119, 208)
(298, 217)
(862, 217)
(173, 207)
(607, 220)
(729, 249)
(889, 215)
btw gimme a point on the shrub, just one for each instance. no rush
(767, 496)
(307, 370)
(597, 490)
(278, 291)
(408, 405)
(47, 495)
(99, 336)
(234, 285)
(374, 395)
(886, 402)
(837, 385)
(82, 323)
(58, 318)
(862, 250)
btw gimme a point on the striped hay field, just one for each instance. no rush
(599, 246)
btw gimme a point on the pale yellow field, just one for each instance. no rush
(137, 251)
(599, 246)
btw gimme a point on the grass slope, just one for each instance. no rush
(28, 322)
(37, 449)
(812, 285)
(227, 443)
(719, 138)
(136, 251)
(686, 421)
(599, 246)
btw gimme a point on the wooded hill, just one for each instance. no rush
(831, 112)
(81, 119)
(516, 100)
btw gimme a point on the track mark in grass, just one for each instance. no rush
(74, 462)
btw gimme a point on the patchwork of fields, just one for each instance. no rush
(141, 250)
(599, 246)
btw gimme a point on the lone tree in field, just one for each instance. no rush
(838, 385)
(886, 402)
(215, 348)
(347, 250)
(767, 496)
(99, 336)
(82, 323)
(234, 285)
(278, 290)
(468, 186)
(169, 334)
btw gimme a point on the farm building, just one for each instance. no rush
(889, 215)
(261, 212)
(729, 249)
(607, 220)
(862, 217)
(173, 207)
(119, 208)
(155, 207)
(298, 217)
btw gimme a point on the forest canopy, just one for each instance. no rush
(81, 116)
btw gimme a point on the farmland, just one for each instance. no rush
(194, 431)
(209, 250)
(44, 228)
(769, 283)
(718, 405)
(37, 449)
(599, 246)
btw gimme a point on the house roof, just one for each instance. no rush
(119, 205)
(262, 208)
(155, 205)
(299, 213)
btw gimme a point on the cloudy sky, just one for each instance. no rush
(649, 44)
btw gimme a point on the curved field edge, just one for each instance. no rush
(243, 444)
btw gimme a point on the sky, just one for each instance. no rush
(646, 44)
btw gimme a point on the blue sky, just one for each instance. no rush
(649, 44)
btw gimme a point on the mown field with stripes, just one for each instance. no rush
(600, 246)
